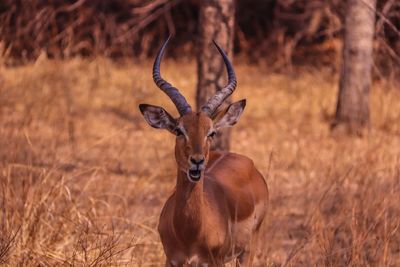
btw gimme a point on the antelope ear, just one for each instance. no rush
(157, 117)
(229, 116)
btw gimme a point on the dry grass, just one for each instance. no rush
(83, 178)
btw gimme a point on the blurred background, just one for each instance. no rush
(78, 184)
(277, 33)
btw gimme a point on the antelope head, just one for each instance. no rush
(194, 130)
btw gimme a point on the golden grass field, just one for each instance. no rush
(83, 177)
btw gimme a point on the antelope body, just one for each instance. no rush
(220, 199)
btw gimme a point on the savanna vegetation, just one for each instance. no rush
(83, 177)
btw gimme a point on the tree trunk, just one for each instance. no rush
(216, 22)
(352, 113)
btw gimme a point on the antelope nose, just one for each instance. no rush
(197, 160)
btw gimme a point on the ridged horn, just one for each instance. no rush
(177, 98)
(215, 101)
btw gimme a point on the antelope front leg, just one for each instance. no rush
(246, 258)
(168, 263)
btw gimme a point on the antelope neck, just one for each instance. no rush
(189, 204)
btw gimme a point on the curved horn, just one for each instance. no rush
(215, 101)
(177, 98)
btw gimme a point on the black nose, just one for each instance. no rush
(197, 160)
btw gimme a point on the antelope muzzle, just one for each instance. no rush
(197, 165)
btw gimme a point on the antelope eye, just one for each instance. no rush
(212, 134)
(178, 132)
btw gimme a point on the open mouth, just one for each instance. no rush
(194, 175)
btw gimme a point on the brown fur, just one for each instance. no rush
(216, 219)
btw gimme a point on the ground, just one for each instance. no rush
(83, 178)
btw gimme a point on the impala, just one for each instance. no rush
(220, 200)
